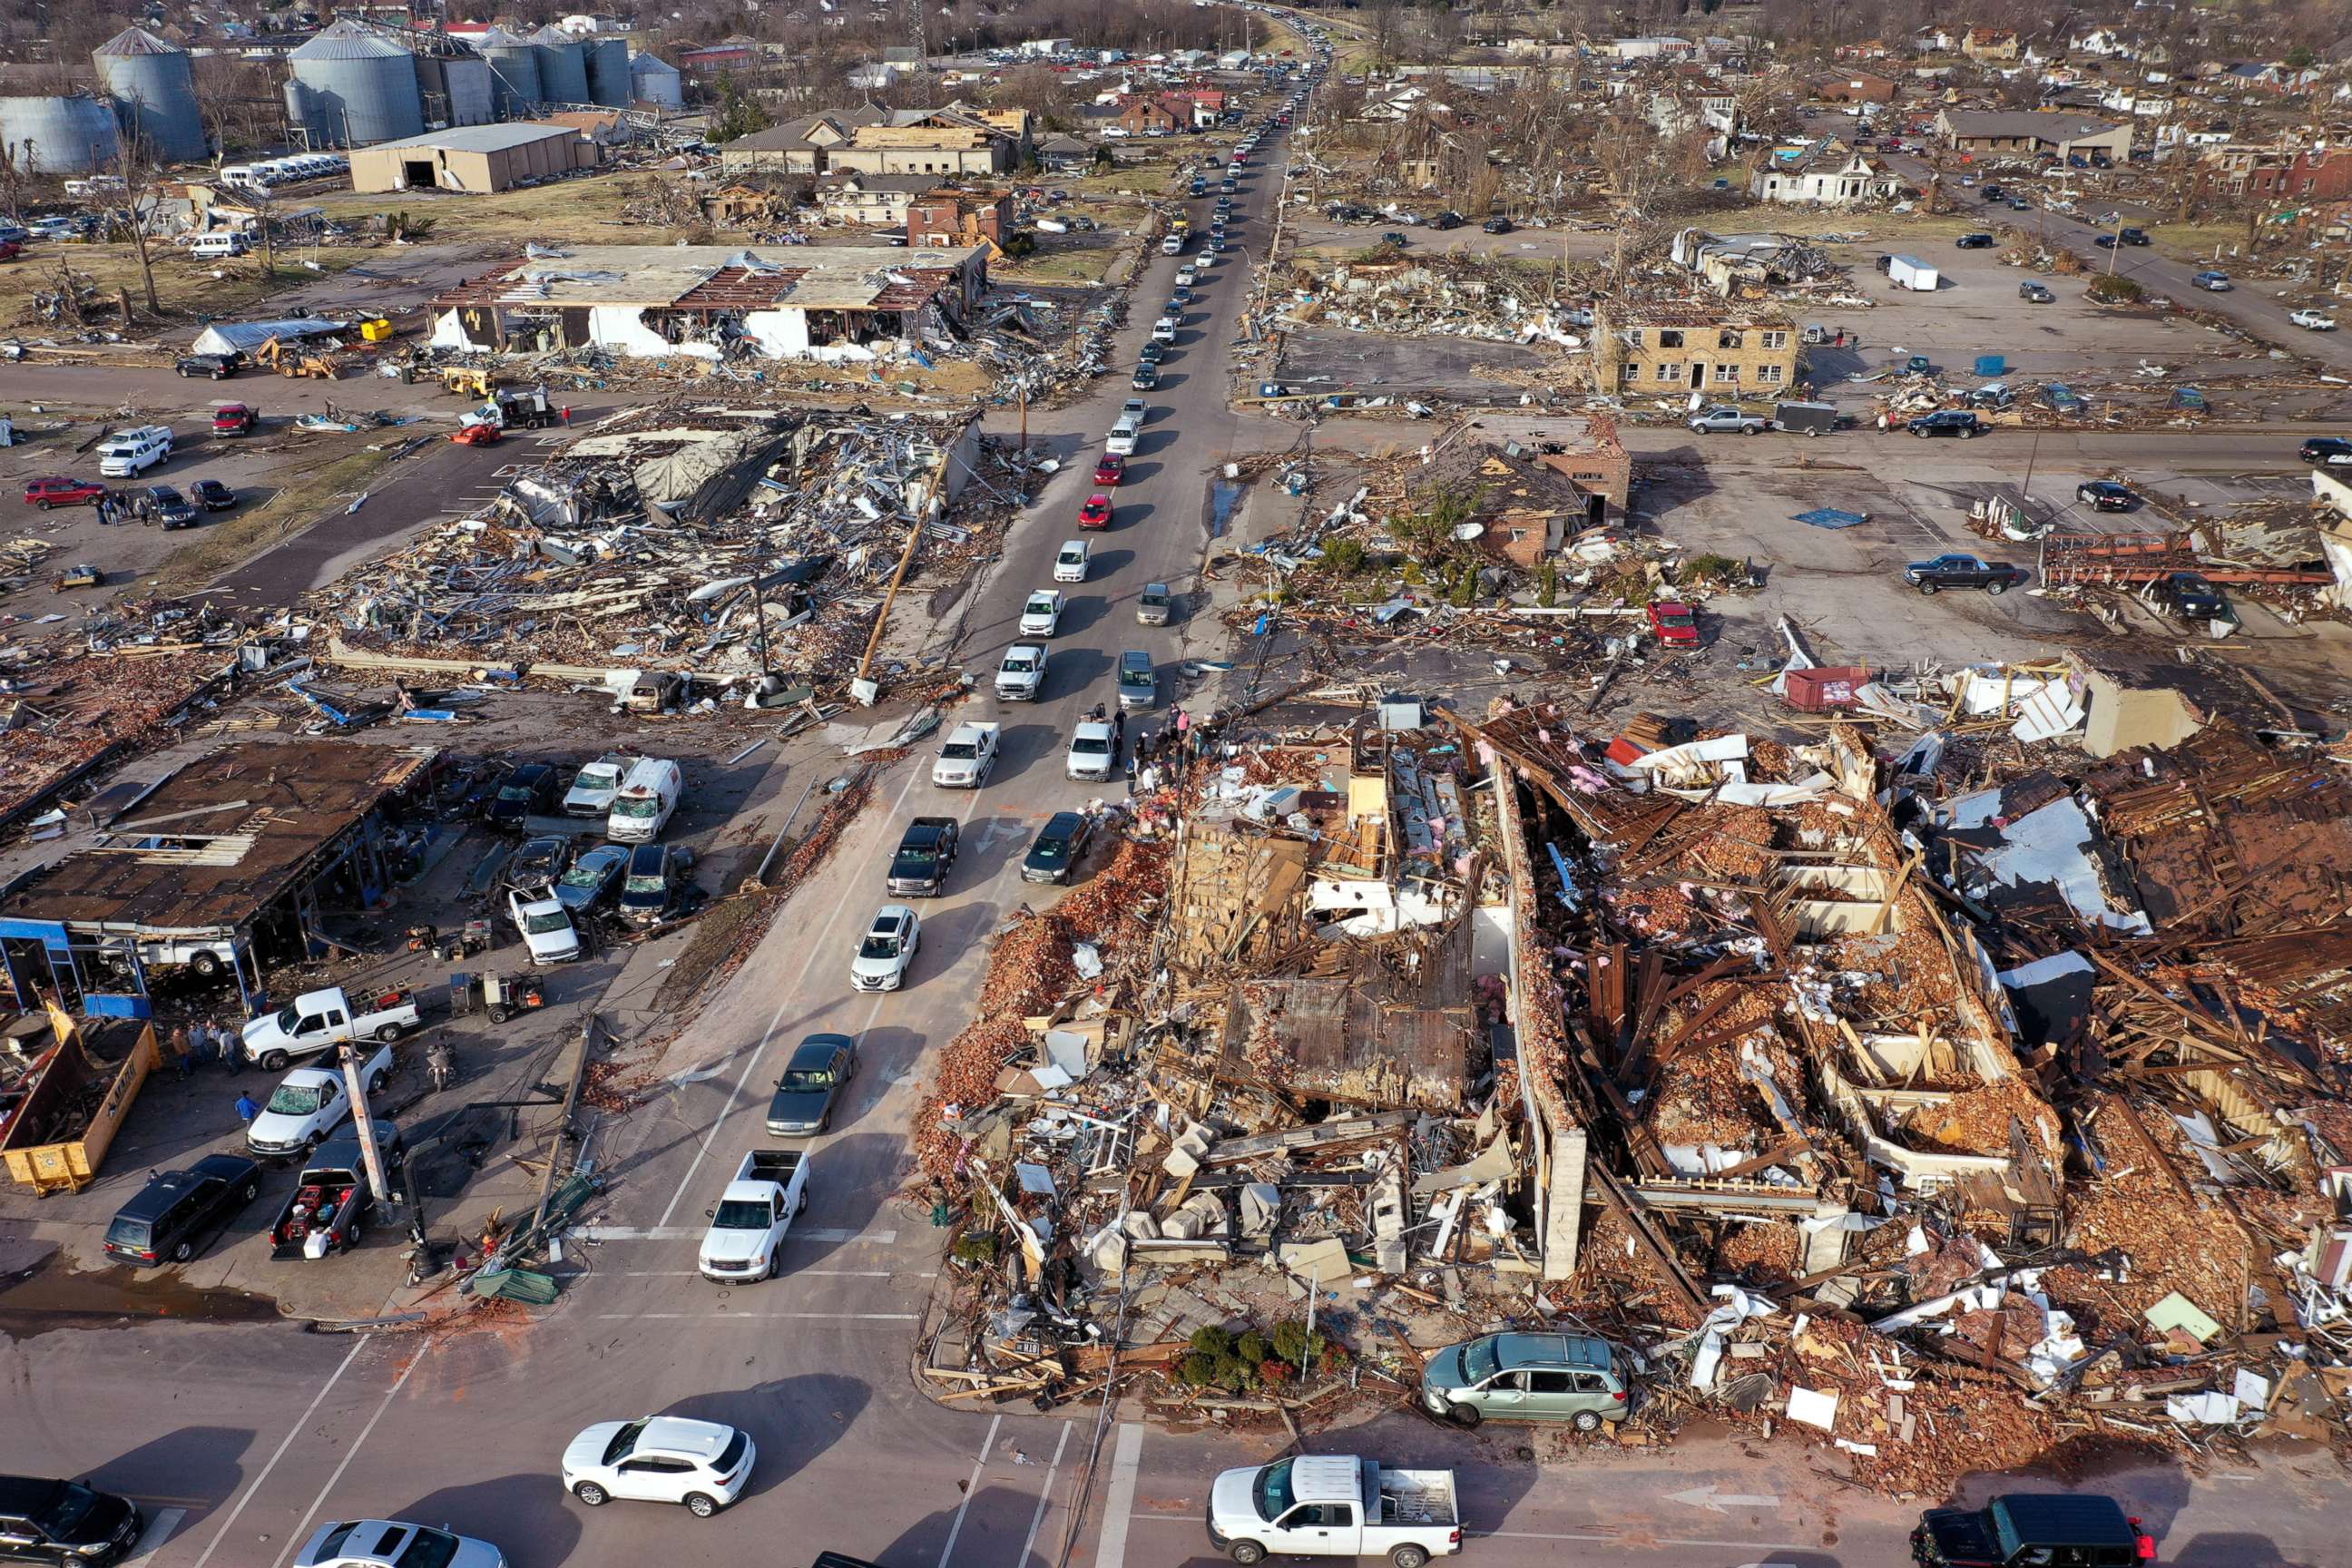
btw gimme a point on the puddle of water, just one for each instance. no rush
(49, 1296)
(1224, 496)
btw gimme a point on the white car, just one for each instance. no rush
(659, 1458)
(887, 951)
(2313, 321)
(1042, 616)
(546, 926)
(1186, 275)
(1163, 330)
(394, 1544)
(1070, 566)
(1093, 751)
(308, 1105)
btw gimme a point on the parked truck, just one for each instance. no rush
(1333, 1505)
(747, 1229)
(1021, 677)
(328, 1210)
(52, 1143)
(319, 1020)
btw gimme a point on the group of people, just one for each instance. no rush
(204, 1043)
(1175, 745)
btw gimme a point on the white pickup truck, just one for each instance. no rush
(964, 761)
(747, 1228)
(1333, 1505)
(320, 1019)
(1021, 677)
(2313, 321)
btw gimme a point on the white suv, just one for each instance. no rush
(659, 1458)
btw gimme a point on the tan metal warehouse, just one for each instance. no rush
(472, 158)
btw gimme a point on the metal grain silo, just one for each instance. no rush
(360, 88)
(514, 70)
(155, 89)
(457, 88)
(653, 79)
(73, 135)
(608, 73)
(562, 66)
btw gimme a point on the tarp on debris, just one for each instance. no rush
(709, 479)
(1828, 517)
(247, 337)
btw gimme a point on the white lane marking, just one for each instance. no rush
(159, 1529)
(301, 1528)
(1045, 1496)
(291, 1433)
(817, 1317)
(1119, 1505)
(796, 1274)
(695, 1233)
(1194, 1518)
(817, 950)
(970, 1486)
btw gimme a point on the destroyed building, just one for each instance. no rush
(230, 863)
(709, 301)
(1669, 348)
(1530, 496)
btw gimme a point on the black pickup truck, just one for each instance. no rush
(1964, 571)
(919, 869)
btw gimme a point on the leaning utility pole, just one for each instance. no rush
(364, 1124)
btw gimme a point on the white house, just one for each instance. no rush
(1826, 179)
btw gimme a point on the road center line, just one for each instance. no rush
(291, 1433)
(298, 1537)
(1045, 1496)
(730, 1317)
(1118, 1504)
(817, 949)
(970, 1488)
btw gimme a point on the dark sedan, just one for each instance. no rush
(2105, 495)
(212, 495)
(593, 878)
(540, 862)
(1058, 848)
(55, 1521)
(821, 1065)
(2190, 596)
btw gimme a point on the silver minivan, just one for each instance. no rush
(1575, 1378)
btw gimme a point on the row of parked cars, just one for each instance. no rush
(553, 888)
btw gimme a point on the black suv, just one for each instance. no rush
(1973, 242)
(2190, 596)
(1957, 422)
(2046, 1530)
(172, 509)
(528, 790)
(174, 1215)
(1058, 846)
(219, 367)
(2328, 449)
(64, 1522)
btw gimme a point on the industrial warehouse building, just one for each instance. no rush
(473, 158)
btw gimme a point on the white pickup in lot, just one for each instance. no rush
(320, 1019)
(1333, 1505)
(747, 1228)
(2313, 321)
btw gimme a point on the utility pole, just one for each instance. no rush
(364, 1124)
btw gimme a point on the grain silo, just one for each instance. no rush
(73, 135)
(353, 87)
(608, 72)
(562, 66)
(456, 87)
(154, 84)
(653, 79)
(514, 70)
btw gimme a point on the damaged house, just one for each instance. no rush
(1532, 485)
(712, 301)
(1667, 349)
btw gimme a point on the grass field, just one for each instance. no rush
(1087, 266)
(185, 288)
(587, 209)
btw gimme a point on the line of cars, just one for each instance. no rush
(553, 888)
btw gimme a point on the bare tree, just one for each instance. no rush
(141, 216)
(1637, 166)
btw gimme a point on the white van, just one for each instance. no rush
(127, 453)
(217, 245)
(647, 796)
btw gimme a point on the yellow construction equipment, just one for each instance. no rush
(467, 383)
(376, 331)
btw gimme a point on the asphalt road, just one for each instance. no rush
(241, 1438)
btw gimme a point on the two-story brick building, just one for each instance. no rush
(1714, 347)
(960, 218)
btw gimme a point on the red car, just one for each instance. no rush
(47, 493)
(1096, 513)
(1109, 470)
(1674, 621)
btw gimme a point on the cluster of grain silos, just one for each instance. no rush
(351, 86)
(457, 86)
(562, 66)
(514, 69)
